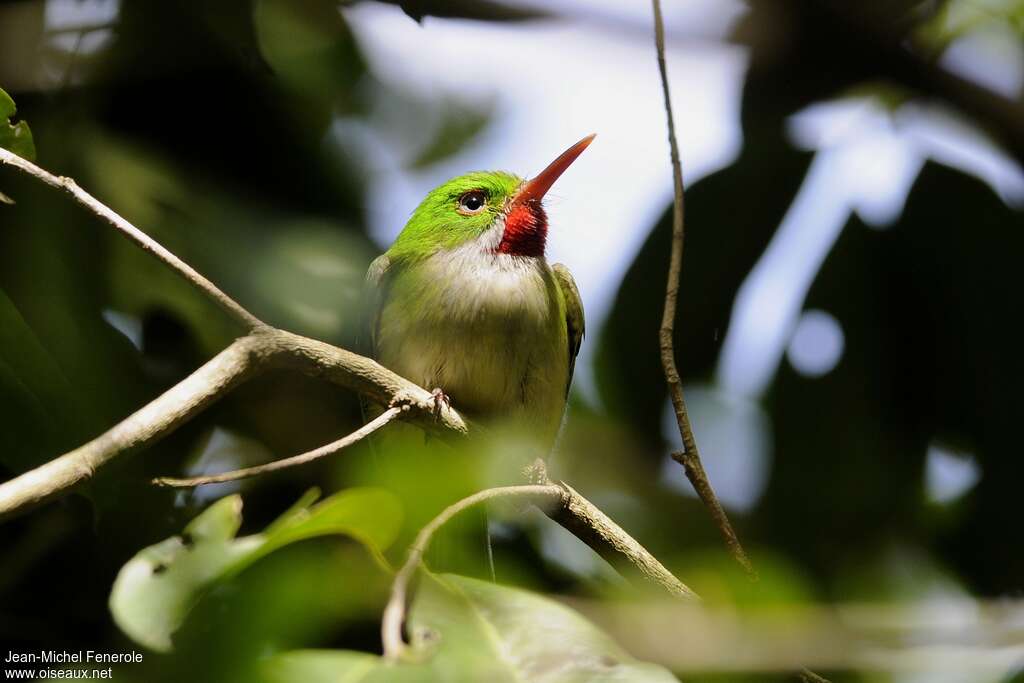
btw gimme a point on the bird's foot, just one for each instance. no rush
(440, 398)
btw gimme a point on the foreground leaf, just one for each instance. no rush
(15, 137)
(155, 590)
(469, 630)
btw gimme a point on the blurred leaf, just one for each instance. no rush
(309, 46)
(155, 590)
(459, 126)
(314, 666)
(482, 10)
(294, 270)
(466, 624)
(465, 629)
(35, 395)
(14, 136)
(956, 18)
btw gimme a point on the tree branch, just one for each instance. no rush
(562, 504)
(147, 243)
(263, 349)
(691, 456)
(585, 521)
(309, 456)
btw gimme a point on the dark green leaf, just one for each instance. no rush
(35, 395)
(481, 10)
(14, 136)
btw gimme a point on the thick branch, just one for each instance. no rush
(562, 504)
(147, 243)
(307, 457)
(695, 473)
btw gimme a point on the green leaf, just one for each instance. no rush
(512, 634)
(156, 589)
(14, 136)
(316, 666)
(313, 54)
(37, 399)
(466, 629)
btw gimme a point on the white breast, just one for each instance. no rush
(490, 332)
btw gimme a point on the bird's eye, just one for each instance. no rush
(472, 202)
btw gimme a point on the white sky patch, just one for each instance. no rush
(949, 474)
(223, 451)
(954, 142)
(552, 84)
(128, 325)
(712, 19)
(75, 28)
(64, 15)
(991, 55)
(817, 345)
(768, 302)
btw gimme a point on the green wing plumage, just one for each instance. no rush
(574, 320)
(373, 301)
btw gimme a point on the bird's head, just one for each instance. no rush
(499, 211)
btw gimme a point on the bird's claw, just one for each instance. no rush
(440, 398)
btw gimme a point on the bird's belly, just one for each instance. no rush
(494, 341)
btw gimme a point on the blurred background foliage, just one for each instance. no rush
(860, 418)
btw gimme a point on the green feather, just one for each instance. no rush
(436, 225)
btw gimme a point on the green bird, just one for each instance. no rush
(465, 303)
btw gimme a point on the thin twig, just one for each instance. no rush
(309, 456)
(559, 502)
(147, 243)
(694, 469)
(689, 458)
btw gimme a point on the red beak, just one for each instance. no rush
(533, 190)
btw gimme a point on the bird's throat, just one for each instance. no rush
(526, 231)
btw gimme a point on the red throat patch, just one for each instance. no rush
(526, 231)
